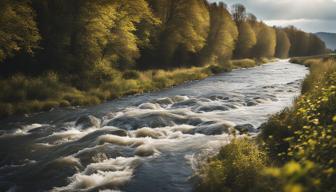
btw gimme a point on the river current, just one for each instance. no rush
(142, 143)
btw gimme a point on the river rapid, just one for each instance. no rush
(142, 143)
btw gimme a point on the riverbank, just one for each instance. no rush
(23, 95)
(295, 150)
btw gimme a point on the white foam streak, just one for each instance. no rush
(110, 173)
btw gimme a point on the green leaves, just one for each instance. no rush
(18, 30)
(109, 31)
(247, 39)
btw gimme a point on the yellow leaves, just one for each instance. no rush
(293, 188)
(329, 171)
(291, 168)
(325, 99)
(18, 31)
(272, 171)
(306, 127)
(288, 139)
(302, 110)
(315, 121)
(312, 142)
(334, 119)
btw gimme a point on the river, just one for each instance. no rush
(142, 143)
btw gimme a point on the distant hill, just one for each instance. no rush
(328, 38)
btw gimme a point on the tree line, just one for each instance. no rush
(93, 39)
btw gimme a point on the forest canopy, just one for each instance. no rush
(105, 35)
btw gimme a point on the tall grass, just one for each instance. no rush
(22, 94)
(244, 63)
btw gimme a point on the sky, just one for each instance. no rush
(308, 15)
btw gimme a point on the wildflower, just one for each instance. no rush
(293, 188)
(334, 118)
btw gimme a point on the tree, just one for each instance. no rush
(18, 32)
(57, 21)
(266, 42)
(222, 36)
(246, 40)
(110, 31)
(299, 41)
(316, 45)
(184, 29)
(79, 35)
(282, 44)
(238, 13)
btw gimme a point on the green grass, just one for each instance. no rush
(299, 142)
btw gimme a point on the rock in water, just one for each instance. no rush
(246, 128)
(215, 129)
(88, 121)
(152, 106)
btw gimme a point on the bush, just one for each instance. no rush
(131, 74)
(236, 168)
(263, 60)
(6, 109)
(20, 88)
(244, 63)
(215, 69)
(274, 133)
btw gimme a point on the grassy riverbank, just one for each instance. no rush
(295, 151)
(21, 94)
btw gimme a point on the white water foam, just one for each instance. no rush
(110, 173)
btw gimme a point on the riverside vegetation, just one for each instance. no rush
(60, 53)
(295, 151)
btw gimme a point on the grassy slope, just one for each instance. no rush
(21, 94)
(299, 143)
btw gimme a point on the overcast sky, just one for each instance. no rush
(308, 15)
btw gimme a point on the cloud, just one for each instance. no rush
(310, 25)
(290, 9)
(306, 14)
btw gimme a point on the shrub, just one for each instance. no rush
(215, 69)
(47, 105)
(160, 82)
(101, 94)
(236, 168)
(295, 177)
(263, 60)
(274, 133)
(131, 74)
(6, 109)
(244, 63)
(64, 103)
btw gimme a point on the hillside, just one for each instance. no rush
(328, 38)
